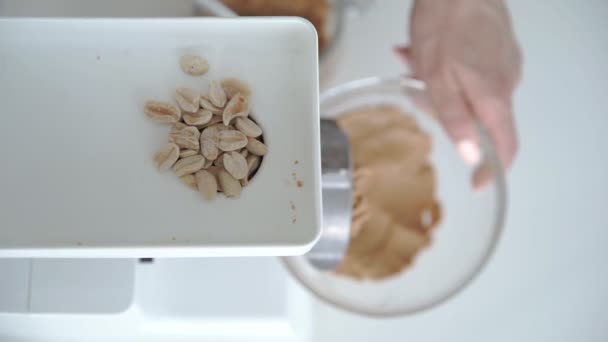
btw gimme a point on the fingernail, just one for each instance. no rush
(469, 152)
(399, 48)
(403, 53)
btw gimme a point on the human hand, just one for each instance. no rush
(466, 53)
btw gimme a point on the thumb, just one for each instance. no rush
(455, 116)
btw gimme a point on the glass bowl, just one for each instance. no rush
(461, 244)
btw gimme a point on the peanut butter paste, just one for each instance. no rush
(394, 204)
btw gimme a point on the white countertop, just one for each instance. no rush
(548, 279)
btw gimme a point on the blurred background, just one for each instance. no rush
(547, 280)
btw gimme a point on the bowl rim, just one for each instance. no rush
(409, 83)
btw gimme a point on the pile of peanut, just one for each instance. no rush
(214, 146)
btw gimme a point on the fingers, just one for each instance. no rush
(455, 116)
(460, 99)
(491, 103)
(495, 115)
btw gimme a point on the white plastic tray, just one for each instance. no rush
(77, 177)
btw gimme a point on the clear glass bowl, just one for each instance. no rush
(462, 243)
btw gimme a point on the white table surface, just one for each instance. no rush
(548, 280)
